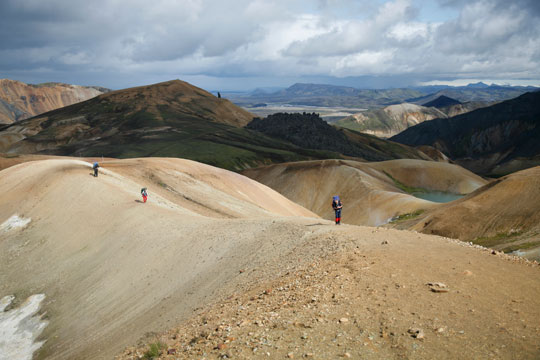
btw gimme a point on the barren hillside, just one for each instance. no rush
(113, 268)
(19, 101)
(234, 266)
(391, 120)
(370, 192)
(504, 214)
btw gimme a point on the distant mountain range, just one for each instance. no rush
(344, 96)
(19, 101)
(498, 139)
(173, 119)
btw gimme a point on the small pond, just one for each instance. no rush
(437, 196)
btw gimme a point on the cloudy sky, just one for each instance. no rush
(244, 44)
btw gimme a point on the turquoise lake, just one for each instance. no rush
(437, 196)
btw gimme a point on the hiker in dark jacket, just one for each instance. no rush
(95, 167)
(336, 205)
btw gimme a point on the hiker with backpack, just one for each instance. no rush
(337, 205)
(95, 167)
(144, 194)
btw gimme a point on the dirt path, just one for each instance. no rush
(361, 298)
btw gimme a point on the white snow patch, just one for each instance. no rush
(19, 328)
(14, 222)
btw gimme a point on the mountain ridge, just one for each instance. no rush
(19, 101)
(169, 119)
(485, 138)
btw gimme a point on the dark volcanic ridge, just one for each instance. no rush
(442, 101)
(488, 140)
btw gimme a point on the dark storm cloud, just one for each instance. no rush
(163, 39)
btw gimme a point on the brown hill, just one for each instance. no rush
(505, 214)
(372, 192)
(178, 96)
(19, 101)
(502, 214)
(176, 119)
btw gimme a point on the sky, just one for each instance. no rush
(240, 45)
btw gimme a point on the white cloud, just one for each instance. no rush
(254, 38)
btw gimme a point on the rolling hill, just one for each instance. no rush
(498, 139)
(113, 268)
(217, 264)
(172, 119)
(373, 193)
(503, 215)
(19, 101)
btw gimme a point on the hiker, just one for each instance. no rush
(144, 194)
(95, 167)
(337, 205)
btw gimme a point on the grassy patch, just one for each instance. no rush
(154, 350)
(523, 246)
(500, 238)
(407, 189)
(407, 216)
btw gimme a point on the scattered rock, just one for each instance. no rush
(343, 320)
(290, 355)
(416, 333)
(221, 346)
(438, 287)
(347, 355)
(171, 351)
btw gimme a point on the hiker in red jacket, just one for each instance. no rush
(144, 194)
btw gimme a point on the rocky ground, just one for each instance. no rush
(215, 264)
(370, 294)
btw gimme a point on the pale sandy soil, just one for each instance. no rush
(358, 292)
(115, 271)
(113, 268)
